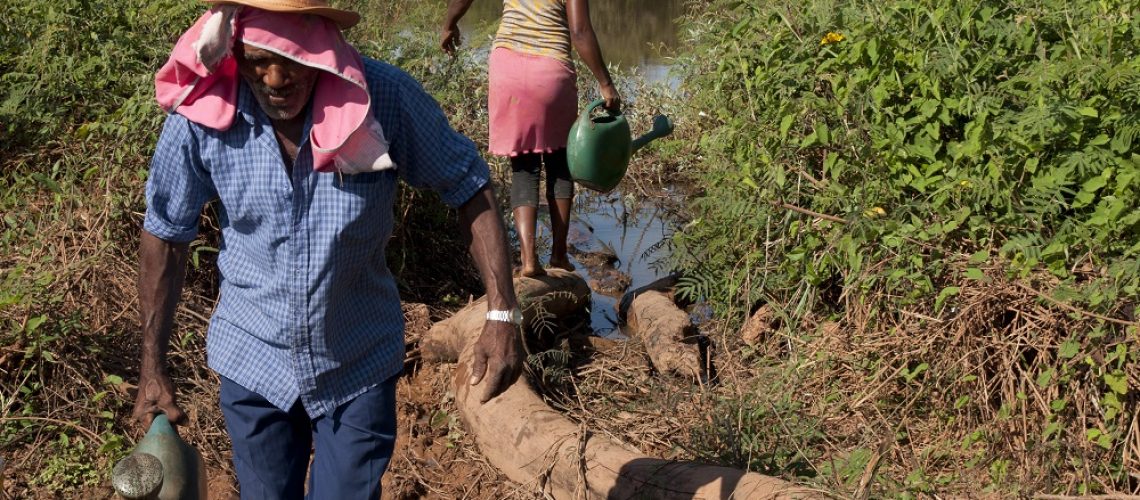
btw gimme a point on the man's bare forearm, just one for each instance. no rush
(497, 355)
(162, 269)
(482, 227)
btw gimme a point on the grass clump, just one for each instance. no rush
(76, 104)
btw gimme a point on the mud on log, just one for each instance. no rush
(559, 293)
(664, 329)
(537, 446)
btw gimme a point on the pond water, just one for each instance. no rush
(631, 229)
(632, 33)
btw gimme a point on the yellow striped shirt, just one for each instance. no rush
(535, 27)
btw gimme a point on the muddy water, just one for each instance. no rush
(629, 229)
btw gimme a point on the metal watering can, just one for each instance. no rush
(161, 467)
(599, 148)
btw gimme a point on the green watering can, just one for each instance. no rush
(161, 467)
(599, 148)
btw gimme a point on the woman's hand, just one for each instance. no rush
(610, 94)
(450, 39)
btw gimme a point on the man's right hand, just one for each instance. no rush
(156, 395)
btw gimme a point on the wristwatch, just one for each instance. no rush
(512, 316)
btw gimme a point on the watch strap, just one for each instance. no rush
(506, 316)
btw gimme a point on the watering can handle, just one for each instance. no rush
(594, 105)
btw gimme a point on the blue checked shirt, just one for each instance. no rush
(308, 308)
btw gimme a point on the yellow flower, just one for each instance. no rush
(874, 212)
(831, 37)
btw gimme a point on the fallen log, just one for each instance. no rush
(557, 294)
(664, 284)
(667, 333)
(537, 446)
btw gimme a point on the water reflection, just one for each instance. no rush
(631, 230)
(631, 32)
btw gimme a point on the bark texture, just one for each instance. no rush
(538, 447)
(667, 333)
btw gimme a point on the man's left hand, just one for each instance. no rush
(498, 357)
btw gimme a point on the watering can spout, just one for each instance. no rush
(662, 126)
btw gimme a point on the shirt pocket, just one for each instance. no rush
(370, 190)
(358, 208)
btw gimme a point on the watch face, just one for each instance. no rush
(516, 316)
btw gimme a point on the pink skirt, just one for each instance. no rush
(532, 102)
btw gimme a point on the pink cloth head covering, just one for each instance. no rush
(200, 81)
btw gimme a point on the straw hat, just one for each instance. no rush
(343, 18)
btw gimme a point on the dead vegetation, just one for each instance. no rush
(994, 395)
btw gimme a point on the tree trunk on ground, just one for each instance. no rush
(664, 284)
(559, 293)
(664, 328)
(537, 446)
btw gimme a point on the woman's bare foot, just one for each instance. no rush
(532, 271)
(562, 263)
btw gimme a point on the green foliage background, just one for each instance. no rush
(890, 170)
(77, 122)
(932, 129)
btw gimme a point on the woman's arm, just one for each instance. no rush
(586, 43)
(449, 39)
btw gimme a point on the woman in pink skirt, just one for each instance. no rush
(532, 102)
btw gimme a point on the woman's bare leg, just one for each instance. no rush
(560, 227)
(526, 219)
(560, 197)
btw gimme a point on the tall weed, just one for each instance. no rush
(968, 126)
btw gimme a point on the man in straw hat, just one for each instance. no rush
(302, 141)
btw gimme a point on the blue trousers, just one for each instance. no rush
(351, 446)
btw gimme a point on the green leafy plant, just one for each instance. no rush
(925, 173)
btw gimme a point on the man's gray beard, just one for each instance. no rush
(261, 94)
(275, 113)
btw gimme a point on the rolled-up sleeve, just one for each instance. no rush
(430, 154)
(177, 186)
